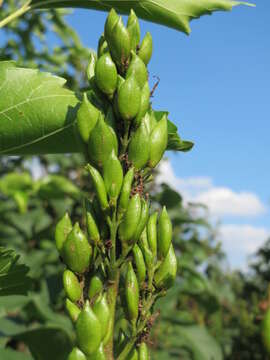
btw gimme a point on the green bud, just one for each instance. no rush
(99, 354)
(119, 43)
(164, 234)
(95, 285)
(101, 143)
(110, 121)
(111, 21)
(145, 102)
(72, 286)
(166, 273)
(106, 75)
(137, 69)
(143, 220)
(92, 228)
(152, 233)
(76, 251)
(131, 294)
(113, 177)
(146, 48)
(129, 99)
(140, 264)
(133, 28)
(63, 228)
(147, 254)
(76, 354)
(102, 46)
(87, 117)
(139, 147)
(102, 312)
(99, 187)
(125, 191)
(72, 310)
(131, 220)
(133, 355)
(143, 352)
(158, 142)
(88, 330)
(90, 70)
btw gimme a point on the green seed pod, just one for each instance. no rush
(146, 48)
(90, 70)
(99, 187)
(139, 147)
(92, 228)
(152, 120)
(99, 354)
(133, 355)
(72, 310)
(158, 142)
(87, 117)
(143, 352)
(145, 97)
(95, 285)
(119, 43)
(72, 286)
(76, 354)
(131, 220)
(133, 28)
(125, 191)
(152, 233)
(102, 46)
(101, 143)
(63, 228)
(88, 330)
(111, 21)
(102, 312)
(137, 69)
(76, 251)
(166, 273)
(143, 220)
(140, 264)
(110, 121)
(147, 254)
(106, 75)
(129, 99)
(113, 177)
(164, 234)
(131, 294)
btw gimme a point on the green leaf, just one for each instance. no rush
(36, 113)
(8, 354)
(57, 187)
(172, 13)
(13, 276)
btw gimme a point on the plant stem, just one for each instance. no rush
(16, 14)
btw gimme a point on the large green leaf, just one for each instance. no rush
(36, 113)
(173, 13)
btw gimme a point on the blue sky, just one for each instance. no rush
(215, 84)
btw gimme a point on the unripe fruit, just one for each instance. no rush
(133, 28)
(131, 294)
(145, 97)
(143, 220)
(166, 273)
(90, 71)
(72, 286)
(143, 352)
(111, 21)
(76, 251)
(140, 264)
(133, 355)
(99, 187)
(99, 354)
(110, 121)
(76, 354)
(146, 48)
(164, 234)
(265, 331)
(102, 46)
(158, 142)
(92, 228)
(119, 43)
(87, 117)
(102, 311)
(72, 310)
(147, 254)
(152, 233)
(139, 147)
(113, 177)
(137, 69)
(88, 330)
(129, 99)
(131, 220)
(106, 75)
(125, 191)
(62, 229)
(95, 286)
(101, 143)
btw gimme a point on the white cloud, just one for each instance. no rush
(221, 201)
